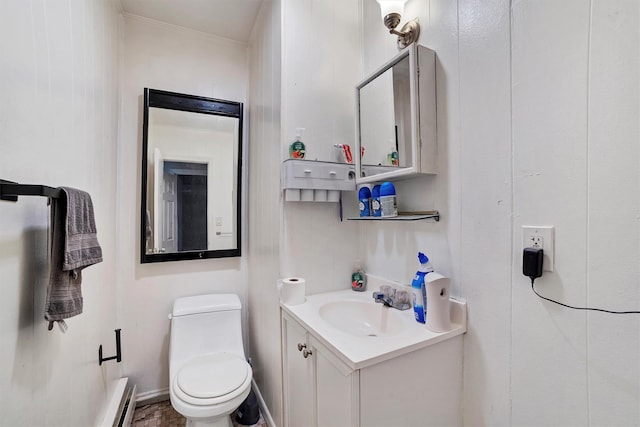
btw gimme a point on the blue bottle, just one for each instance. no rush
(419, 289)
(376, 209)
(364, 201)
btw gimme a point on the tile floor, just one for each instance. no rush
(159, 414)
(162, 414)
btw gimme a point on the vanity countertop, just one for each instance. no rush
(361, 351)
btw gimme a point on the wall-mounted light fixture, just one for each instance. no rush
(391, 11)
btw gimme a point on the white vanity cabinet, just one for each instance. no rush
(319, 389)
(419, 387)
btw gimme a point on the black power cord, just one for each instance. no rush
(532, 267)
(579, 308)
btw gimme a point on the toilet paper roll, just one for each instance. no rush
(292, 290)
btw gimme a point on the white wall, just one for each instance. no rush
(319, 73)
(575, 147)
(304, 70)
(166, 57)
(59, 81)
(264, 204)
(538, 124)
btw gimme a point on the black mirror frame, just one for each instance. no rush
(197, 104)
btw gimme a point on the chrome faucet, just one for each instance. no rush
(392, 297)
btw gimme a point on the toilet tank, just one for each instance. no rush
(205, 324)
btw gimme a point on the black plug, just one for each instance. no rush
(532, 262)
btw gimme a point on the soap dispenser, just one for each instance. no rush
(297, 149)
(392, 157)
(438, 308)
(358, 279)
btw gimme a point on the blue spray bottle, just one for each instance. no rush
(376, 208)
(364, 201)
(419, 290)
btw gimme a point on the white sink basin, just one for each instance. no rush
(362, 319)
(362, 332)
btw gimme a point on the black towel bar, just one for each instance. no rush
(9, 191)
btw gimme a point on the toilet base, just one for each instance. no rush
(203, 416)
(222, 422)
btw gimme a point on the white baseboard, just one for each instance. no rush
(266, 415)
(153, 396)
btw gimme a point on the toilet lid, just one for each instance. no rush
(212, 375)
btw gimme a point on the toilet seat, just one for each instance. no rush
(212, 379)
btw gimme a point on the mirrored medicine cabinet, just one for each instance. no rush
(396, 118)
(191, 177)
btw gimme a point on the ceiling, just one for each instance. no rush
(232, 19)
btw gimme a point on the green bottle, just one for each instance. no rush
(392, 157)
(296, 149)
(358, 280)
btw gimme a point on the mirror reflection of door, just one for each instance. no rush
(168, 213)
(189, 214)
(182, 199)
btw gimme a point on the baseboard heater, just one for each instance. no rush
(122, 405)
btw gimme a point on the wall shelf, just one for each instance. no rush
(402, 216)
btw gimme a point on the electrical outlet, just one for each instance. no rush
(536, 241)
(540, 237)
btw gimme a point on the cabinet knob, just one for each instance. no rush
(306, 353)
(301, 346)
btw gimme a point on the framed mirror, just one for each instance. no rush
(396, 118)
(191, 177)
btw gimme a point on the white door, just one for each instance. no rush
(169, 212)
(156, 213)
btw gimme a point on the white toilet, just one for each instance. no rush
(209, 376)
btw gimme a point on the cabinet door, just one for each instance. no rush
(337, 403)
(298, 377)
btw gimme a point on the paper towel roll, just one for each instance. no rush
(292, 290)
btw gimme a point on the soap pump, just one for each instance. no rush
(358, 279)
(296, 149)
(392, 157)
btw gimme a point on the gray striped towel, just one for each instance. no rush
(74, 246)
